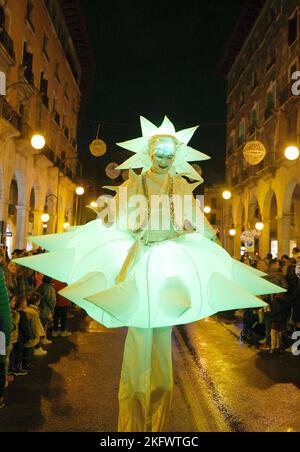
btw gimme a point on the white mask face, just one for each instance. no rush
(162, 153)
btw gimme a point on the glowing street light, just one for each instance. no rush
(232, 231)
(66, 226)
(45, 218)
(292, 152)
(93, 204)
(79, 191)
(207, 209)
(38, 141)
(259, 226)
(227, 195)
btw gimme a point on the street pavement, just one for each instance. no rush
(221, 385)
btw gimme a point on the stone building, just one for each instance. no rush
(260, 63)
(45, 60)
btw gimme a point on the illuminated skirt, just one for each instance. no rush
(168, 283)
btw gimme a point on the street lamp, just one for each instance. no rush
(292, 153)
(259, 226)
(79, 191)
(227, 195)
(232, 231)
(207, 209)
(93, 204)
(66, 226)
(45, 218)
(38, 141)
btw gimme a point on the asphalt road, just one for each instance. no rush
(221, 385)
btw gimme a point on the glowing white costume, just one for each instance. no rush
(150, 279)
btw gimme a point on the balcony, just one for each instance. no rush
(285, 94)
(10, 115)
(269, 112)
(7, 43)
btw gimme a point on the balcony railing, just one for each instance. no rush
(7, 42)
(285, 94)
(269, 112)
(9, 114)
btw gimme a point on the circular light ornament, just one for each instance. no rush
(79, 191)
(93, 204)
(45, 218)
(111, 170)
(98, 148)
(259, 226)
(207, 209)
(292, 153)
(254, 152)
(38, 141)
(66, 226)
(227, 195)
(232, 232)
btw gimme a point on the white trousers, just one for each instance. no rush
(146, 386)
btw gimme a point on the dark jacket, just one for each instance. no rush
(25, 333)
(295, 298)
(280, 308)
(48, 300)
(5, 319)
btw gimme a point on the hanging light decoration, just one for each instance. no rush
(111, 170)
(254, 152)
(98, 147)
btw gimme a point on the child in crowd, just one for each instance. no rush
(47, 304)
(33, 346)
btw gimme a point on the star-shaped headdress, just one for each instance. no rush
(184, 153)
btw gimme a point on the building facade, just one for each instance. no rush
(260, 63)
(213, 199)
(43, 48)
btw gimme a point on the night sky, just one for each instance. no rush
(155, 58)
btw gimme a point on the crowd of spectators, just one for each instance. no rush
(30, 310)
(272, 327)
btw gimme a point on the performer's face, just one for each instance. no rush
(162, 153)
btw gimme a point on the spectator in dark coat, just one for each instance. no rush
(5, 330)
(60, 311)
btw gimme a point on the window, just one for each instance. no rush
(213, 219)
(241, 133)
(27, 64)
(254, 83)
(254, 117)
(29, 13)
(46, 47)
(270, 102)
(213, 203)
(293, 29)
(44, 90)
(2, 18)
(57, 72)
